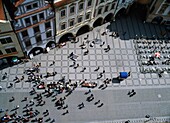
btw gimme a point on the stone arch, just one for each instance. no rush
(83, 29)
(51, 44)
(98, 22)
(120, 12)
(108, 18)
(66, 37)
(157, 19)
(36, 51)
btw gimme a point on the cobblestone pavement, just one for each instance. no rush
(123, 56)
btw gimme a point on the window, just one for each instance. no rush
(36, 29)
(38, 39)
(24, 33)
(81, 6)
(99, 11)
(106, 8)
(13, 49)
(88, 16)
(41, 16)
(101, 1)
(35, 5)
(123, 1)
(167, 1)
(1, 52)
(63, 13)
(48, 34)
(113, 6)
(163, 8)
(34, 19)
(27, 22)
(32, 6)
(28, 7)
(47, 25)
(71, 23)
(27, 43)
(63, 26)
(72, 9)
(80, 19)
(6, 40)
(10, 50)
(89, 3)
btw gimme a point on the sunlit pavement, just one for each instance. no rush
(152, 92)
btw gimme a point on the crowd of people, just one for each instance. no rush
(30, 113)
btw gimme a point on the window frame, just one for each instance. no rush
(48, 26)
(31, 6)
(23, 32)
(9, 50)
(34, 28)
(89, 13)
(36, 20)
(99, 10)
(106, 10)
(71, 20)
(79, 18)
(89, 1)
(39, 15)
(64, 23)
(26, 41)
(62, 16)
(29, 23)
(49, 32)
(37, 39)
(5, 40)
(81, 9)
(101, 1)
(70, 8)
(112, 6)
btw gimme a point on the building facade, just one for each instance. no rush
(34, 26)
(159, 12)
(10, 50)
(76, 17)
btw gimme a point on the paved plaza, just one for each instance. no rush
(152, 91)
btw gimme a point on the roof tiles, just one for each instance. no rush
(2, 13)
(19, 2)
(63, 2)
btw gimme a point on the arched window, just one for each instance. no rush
(63, 26)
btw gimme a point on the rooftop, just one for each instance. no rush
(19, 2)
(59, 3)
(2, 14)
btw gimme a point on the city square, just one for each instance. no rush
(84, 61)
(111, 104)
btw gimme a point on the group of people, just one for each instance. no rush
(153, 53)
(53, 89)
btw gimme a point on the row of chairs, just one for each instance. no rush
(154, 70)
